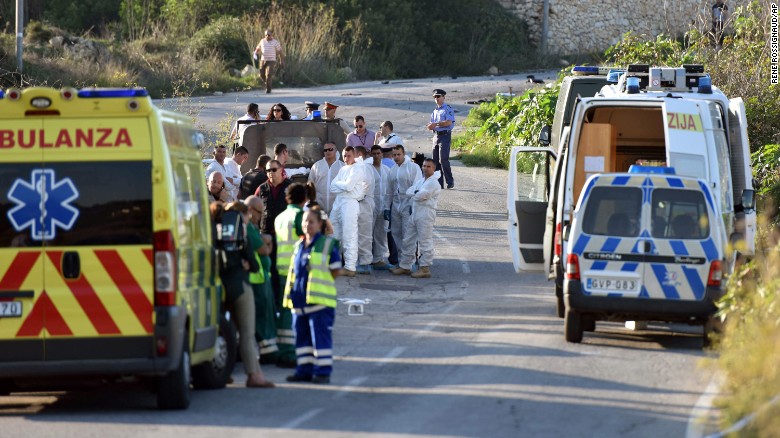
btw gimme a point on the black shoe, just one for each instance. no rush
(451, 186)
(299, 378)
(286, 363)
(320, 379)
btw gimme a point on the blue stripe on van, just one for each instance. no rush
(620, 180)
(629, 267)
(706, 191)
(670, 292)
(585, 192)
(647, 190)
(694, 280)
(643, 293)
(580, 244)
(678, 247)
(610, 244)
(709, 250)
(599, 265)
(675, 182)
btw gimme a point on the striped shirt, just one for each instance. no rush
(270, 49)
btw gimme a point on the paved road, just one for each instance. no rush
(474, 351)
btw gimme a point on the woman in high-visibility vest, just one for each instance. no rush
(311, 294)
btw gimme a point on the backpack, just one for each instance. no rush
(231, 238)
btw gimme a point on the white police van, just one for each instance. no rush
(647, 245)
(663, 116)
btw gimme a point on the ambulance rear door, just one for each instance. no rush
(98, 250)
(742, 172)
(21, 244)
(528, 192)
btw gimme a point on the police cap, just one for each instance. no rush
(312, 105)
(329, 105)
(439, 92)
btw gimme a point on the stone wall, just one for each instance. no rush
(586, 26)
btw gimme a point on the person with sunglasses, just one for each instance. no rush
(361, 136)
(323, 172)
(442, 122)
(272, 192)
(278, 112)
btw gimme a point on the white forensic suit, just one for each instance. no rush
(399, 180)
(350, 187)
(424, 195)
(381, 203)
(367, 214)
(322, 175)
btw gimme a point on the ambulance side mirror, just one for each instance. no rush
(748, 200)
(544, 135)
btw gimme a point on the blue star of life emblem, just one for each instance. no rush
(43, 204)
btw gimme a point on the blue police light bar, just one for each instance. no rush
(2, 94)
(614, 75)
(705, 85)
(113, 92)
(636, 168)
(584, 70)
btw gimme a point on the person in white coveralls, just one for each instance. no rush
(350, 187)
(323, 172)
(424, 196)
(401, 177)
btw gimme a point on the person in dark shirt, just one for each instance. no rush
(252, 179)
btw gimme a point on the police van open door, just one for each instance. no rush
(530, 174)
(742, 175)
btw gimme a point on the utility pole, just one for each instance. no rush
(19, 33)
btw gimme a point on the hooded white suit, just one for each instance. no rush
(399, 180)
(424, 198)
(322, 175)
(367, 215)
(350, 186)
(381, 203)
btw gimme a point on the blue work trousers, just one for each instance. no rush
(441, 156)
(314, 342)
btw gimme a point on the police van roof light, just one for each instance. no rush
(614, 75)
(632, 85)
(705, 85)
(113, 92)
(636, 168)
(585, 70)
(2, 94)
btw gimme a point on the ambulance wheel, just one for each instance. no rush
(173, 389)
(215, 373)
(572, 326)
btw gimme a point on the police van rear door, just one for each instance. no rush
(686, 144)
(684, 244)
(98, 250)
(742, 172)
(609, 238)
(528, 192)
(21, 242)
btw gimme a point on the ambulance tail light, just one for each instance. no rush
(572, 267)
(13, 94)
(716, 274)
(68, 93)
(558, 239)
(164, 269)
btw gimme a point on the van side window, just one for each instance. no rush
(679, 214)
(613, 211)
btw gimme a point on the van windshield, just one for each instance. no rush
(679, 214)
(613, 211)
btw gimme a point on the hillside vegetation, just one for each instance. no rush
(197, 46)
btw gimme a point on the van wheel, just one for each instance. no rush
(572, 326)
(215, 373)
(560, 305)
(173, 389)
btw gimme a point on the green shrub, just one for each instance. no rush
(224, 38)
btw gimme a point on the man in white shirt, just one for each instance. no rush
(252, 113)
(386, 137)
(218, 165)
(270, 50)
(233, 168)
(323, 172)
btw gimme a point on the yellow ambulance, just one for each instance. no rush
(106, 258)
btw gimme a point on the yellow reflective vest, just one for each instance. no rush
(321, 287)
(286, 236)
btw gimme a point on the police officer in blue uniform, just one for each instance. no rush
(442, 122)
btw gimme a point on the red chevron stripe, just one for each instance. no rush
(149, 256)
(128, 286)
(18, 271)
(87, 298)
(44, 315)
